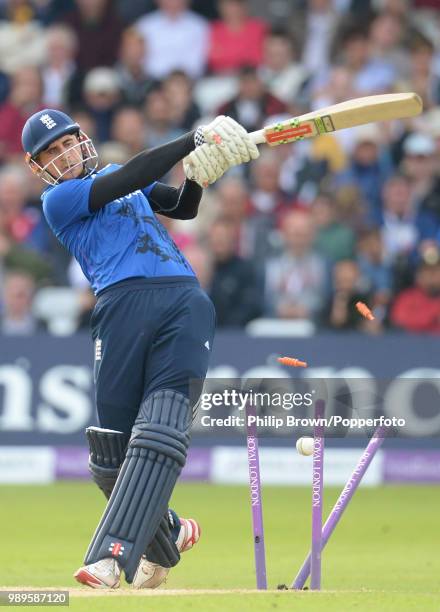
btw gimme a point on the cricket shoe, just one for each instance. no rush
(151, 575)
(104, 574)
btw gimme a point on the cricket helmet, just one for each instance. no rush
(43, 128)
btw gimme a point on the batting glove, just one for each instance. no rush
(232, 139)
(205, 165)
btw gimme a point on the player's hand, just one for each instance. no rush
(225, 144)
(231, 138)
(205, 165)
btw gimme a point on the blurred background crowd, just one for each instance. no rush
(300, 235)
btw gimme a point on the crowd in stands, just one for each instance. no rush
(302, 233)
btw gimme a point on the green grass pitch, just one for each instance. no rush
(384, 554)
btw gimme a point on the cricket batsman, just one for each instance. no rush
(152, 326)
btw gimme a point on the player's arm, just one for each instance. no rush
(139, 171)
(223, 143)
(181, 203)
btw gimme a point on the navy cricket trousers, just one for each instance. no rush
(149, 334)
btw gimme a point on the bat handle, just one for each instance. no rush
(258, 137)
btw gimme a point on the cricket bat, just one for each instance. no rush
(340, 116)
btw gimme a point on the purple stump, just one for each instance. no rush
(347, 493)
(256, 501)
(317, 495)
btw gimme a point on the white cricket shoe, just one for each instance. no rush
(151, 575)
(104, 574)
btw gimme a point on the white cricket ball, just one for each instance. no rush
(305, 446)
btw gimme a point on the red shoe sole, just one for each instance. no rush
(84, 577)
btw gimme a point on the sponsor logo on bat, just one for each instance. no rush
(281, 132)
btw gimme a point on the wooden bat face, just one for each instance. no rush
(351, 113)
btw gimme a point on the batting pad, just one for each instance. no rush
(107, 452)
(155, 457)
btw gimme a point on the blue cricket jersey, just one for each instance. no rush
(121, 240)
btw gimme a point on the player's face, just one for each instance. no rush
(63, 157)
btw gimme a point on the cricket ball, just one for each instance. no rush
(305, 446)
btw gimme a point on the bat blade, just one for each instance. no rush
(340, 116)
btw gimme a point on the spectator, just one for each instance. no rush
(337, 87)
(340, 312)
(399, 8)
(175, 39)
(267, 205)
(236, 39)
(135, 83)
(21, 40)
(350, 207)
(184, 112)
(430, 5)
(18, 12)
(102, 96)
(54, 11)
(86, 121)
(417, 309)
(386, 40)
(112, 152)
(22, 224)
(233, 199)
(158, 119)
(266, 197)
(318, 31)
(421, 75)
(275, 11)
(98, 29)
(253, 103)
(403, 227)
(295, 281)
(334, 240)
(128, 129)
(233, 288)
(369, 167)
(24, 100)
(18, 293)
(59, 68)
(370, 75)
(420, 166)
(284, 76)
(231, 202)
(200, 261)
(130, 11)
(21, 12)
(14, 256)
(375, 271)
